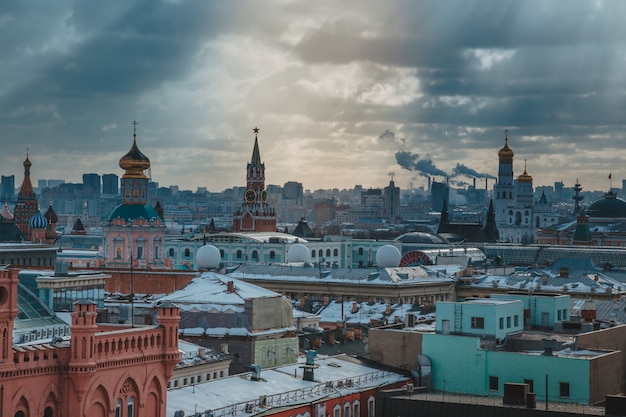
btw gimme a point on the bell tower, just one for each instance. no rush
(255, 213)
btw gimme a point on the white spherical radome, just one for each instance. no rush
(298, 253)
(208, 256)
(388, 256)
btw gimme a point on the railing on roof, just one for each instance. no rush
(293, 397)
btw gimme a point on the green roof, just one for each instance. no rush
(130, 212)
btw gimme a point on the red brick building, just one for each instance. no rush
(100, 371)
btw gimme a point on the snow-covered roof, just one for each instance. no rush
(230, 396)
(209, 292)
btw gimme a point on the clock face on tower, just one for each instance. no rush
(264, 196)
(250, 196)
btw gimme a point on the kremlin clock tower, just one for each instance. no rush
(255, 213)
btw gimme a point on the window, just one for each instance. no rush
(516, 320)
(320, 253)
(272, 254)
(357, 409)
(508, 322)
(564, 389)
(118, 408)
(336, 252)
(371, 410)
(131, 407)
(313, 253)
(360, 251)
(187, 252)
(139, 252)
(221, 253)
(558, 315)
(171, 252)
(346, 410)
(564, 314)
(531, 385)
(239, 254)
(337, 411)
(502, 322)
(328, 252)
(255, 254)
(478, 323)
(493, 383)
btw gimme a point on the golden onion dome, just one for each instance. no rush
(525, 177)
(134, 162)
(506, 152)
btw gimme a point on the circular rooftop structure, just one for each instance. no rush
(298, 253)
(607, 207)
(421, 237)
(208, 256)
(388, 256)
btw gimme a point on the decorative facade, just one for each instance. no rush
(134, 231)
(255, 214)
(96, 372)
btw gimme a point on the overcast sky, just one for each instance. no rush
(343, 92)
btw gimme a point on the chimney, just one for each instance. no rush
(224, 348)
(548, 346)
(231, 286)
(355, 307)
(564, 272)
(388, 309)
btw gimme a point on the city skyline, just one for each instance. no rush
(344, 94)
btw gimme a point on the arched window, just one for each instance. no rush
(19, 414)
(336, 252)
(187, 253)
(328, 252)
(131, 407)
(320, 253)
(221, 253)
(360, 251)
(239, 254)
(346, 410)
(272, 254)
(371, 409)
(47, 412)
(313, 253)
(337, 411)
(255, 254)
(118, 408)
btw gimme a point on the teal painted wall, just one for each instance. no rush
(545, 310)
(499, 317)
(460, 366)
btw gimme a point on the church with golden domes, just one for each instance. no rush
(518, 215)
(255, 214)
(134, 232)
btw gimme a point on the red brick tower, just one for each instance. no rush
(255, 213)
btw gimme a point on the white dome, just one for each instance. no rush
(208, 256)
(298, 253)
(388, 256)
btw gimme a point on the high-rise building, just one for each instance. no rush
(110, 184)
(91, 184)
(392, 200)
(7, 187)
